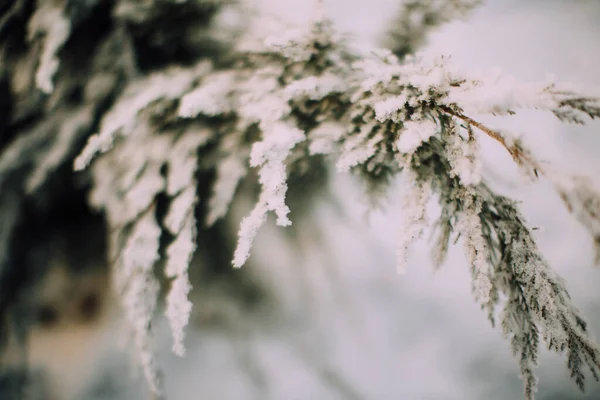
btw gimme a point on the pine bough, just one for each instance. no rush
(304, 97)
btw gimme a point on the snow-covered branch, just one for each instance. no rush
(261, 117)
(306, 94)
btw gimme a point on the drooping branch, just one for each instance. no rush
(283, 108)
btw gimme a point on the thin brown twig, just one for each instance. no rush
(518, 155)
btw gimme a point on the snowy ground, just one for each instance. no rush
(356, 330)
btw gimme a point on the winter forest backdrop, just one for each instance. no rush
(339, 322)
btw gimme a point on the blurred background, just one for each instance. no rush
(337, 321)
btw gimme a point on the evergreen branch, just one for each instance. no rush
(519, 155)
(281, 109)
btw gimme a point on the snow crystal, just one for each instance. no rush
(270, 155)
(52, 22)
(141, 195)
(358, 149)
(259, 98)
(248, 230)
(471, 230)
(463, 155)
(379, 67)
(122, 116)
(210, 98)
(179, 255)
(414, 219)
(139, 288)
(414, 134)
(500, 95)
(315, 88)
(183, 159)
(229, 172)
(181, 207)
(124, 204)
(388, 109)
